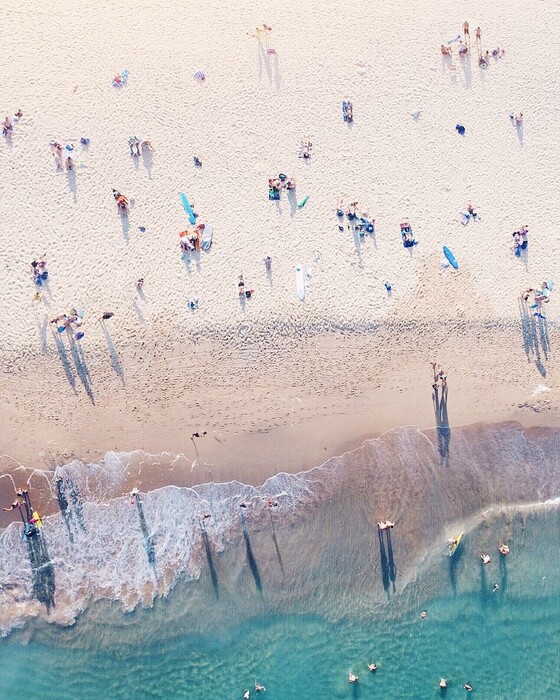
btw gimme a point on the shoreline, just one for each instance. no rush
(308, 402)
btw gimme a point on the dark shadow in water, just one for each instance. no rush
(442, 424)
(384, 561)
(42, 571)
(391, 560)
(453, 566)
(483, 587)
(76, 503)
(356, 690)
(279, 556)
(148, 539)
(250, 558)
(210, 560)
(64, 506)
(503, 574)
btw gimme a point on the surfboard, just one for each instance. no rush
(187, 207)
(449, 255)
(300, 283)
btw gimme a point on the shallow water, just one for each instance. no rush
(298, 594)
(502, 646)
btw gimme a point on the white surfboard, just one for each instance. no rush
(300, 283)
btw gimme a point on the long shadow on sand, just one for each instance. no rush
(81, 366)
(535, 336)
(113, 354)
(250, 557)
(442, 423)
(66, 364)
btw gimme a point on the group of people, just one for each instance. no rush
(243, 292)
(358, 221)
(353, 678)
(520, 240)
(464, 47)
(63, 155)
(8, 124)
(540, 297)
(40, 274)
(137, 146)
(277, 184)
(32, 522)
(440, 375)
(71, 322)
(258, 689)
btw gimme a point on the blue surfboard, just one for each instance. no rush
(449, 255)
(187, 207)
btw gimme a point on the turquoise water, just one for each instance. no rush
(298, 595)
(502, 647)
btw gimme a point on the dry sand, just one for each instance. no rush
(278, 384)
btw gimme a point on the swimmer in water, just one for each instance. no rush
(485, 558)
(504, 549)
(352, 678)
(246, 695)
(373, 667)
(424, 614)
(468, 687)
(443, 684)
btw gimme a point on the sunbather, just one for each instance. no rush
(306, 149)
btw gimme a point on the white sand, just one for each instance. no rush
(245, 123)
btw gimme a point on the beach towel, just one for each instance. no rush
(460, 129)
(207, 237)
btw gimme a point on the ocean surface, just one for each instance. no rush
(126, 597)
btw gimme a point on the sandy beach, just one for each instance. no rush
(273, 380)
(233, 239)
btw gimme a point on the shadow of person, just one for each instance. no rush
(113, 354)
(125, 224)
(275, 541)
(391, 560)
(72, 183)
(385, 578)
(250, 557)
(210, 560)
(454, 561)
(503, 573)
(443, 428)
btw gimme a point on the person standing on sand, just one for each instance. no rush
(478, 34)
(466, 30)
(106, 315)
